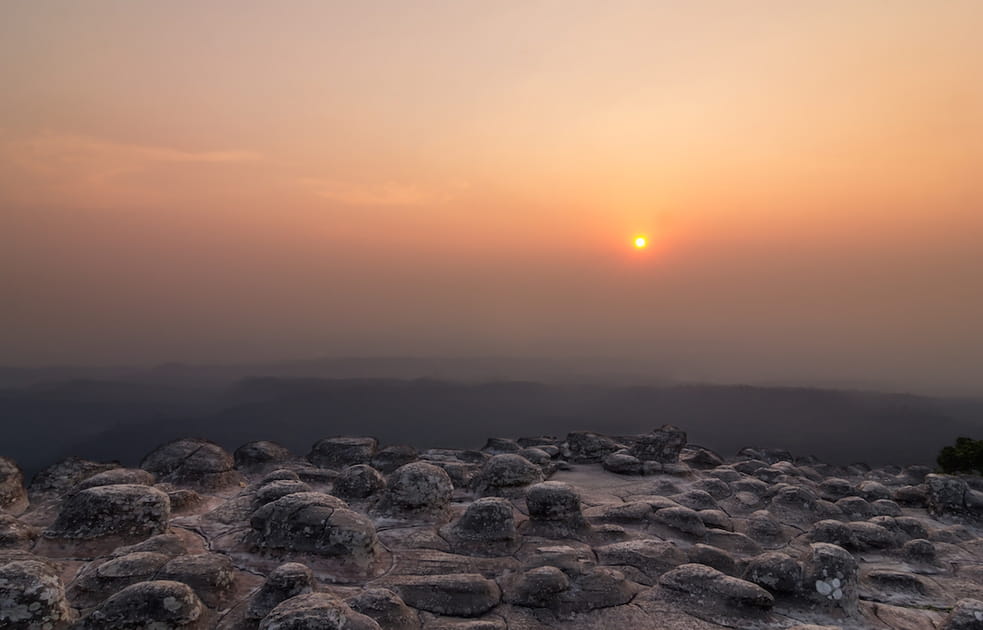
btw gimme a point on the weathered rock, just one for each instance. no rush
(316, 611)
(489, 524)
(358, 482)
(386, 608)
(554, 510)
(967, 615)
(855, 508)
(145, 605)
(662, 445)
(830, 577)
(14, 534)
(702, 458)
(260, 455)
(130, 512)
(716, 519)
(504, 474)
(833, 532)
(873, 490)
(919, 551)
(714, 557)
(873, 536)
(623, 463)
(98, 580)
(390, 458)
(695, 500)
(286, 581)
(273, 490)
(32, 597)
(209, 574)
(681, 519)
(338, 452)
(311, 522)
(13, 495)
(191, 462)
(569, 589)
(62, 476)
(460, 595)
(590, 448)
(946, 495)
(116, 477)
(417, 488)
(651, 557)
(775, 571)
(496, 445)
(834, 489)
(703, 583)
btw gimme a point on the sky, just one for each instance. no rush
(237, 181)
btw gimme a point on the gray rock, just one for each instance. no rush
(15, 534)
(116, 477)
(144, 605)
(554, 510)
(855, 508)
(569, 590)
(966, 615)
(706, 583)
(662, 445)
(489, 523)
(390, 458)
(919, 551)
(386, 608)
(459, 595)
(622, 463)
(209, 574)
(911, 496)
(496, 445)
(98, 580)
(695, 500)
(774, 571)
(286, 581)
(311, 522)
(504, 474)
(873, 536)
(360, 481)
(651, 557)
(834, 489)
(946, 495)
(32, 597)
(682, 520)
(273, 490)
(701, 458)
(833, 532)
(62, 476)
(714, 557)
(417, 488)
(260, 455)
(873, 490)
(716, 519)
(130, 512)
(590, 448)
(199, 464)
(830, 577)
(316, 611)
(338, 452)
(13, 495)
(886, 507)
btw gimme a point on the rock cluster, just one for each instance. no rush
(582, 532)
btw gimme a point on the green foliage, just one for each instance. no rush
(966, 456)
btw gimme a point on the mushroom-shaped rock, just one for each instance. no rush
(966, 615)
(386, 608)
(130, 512)
(338, 452)
(273, 490)
(192, 462)
(714, 557)
(259, 455)
(316, 611)
(662, 445)
(704, 583)
(286, 581)
(417, 488)
(834, 489)
(701, 458)
(504, 474)
(855, 508)
(388, 459)
(775, 571)
(358, 482)
(497, 445)
(554, 510)
(459, 594)
(32, 596)
(13, 495)
(569, 590)
(155, 604)
(98, 580)
(487, 527)
(919, 551)
(62, 476)
(15, 534)
(623, 463)
(681, 519)
(209, 574)
(311, 522)
(116, 477)
(830, 576)
(651, 557)
(590, 448)
(946, 495)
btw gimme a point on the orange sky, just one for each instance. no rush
(248, 180)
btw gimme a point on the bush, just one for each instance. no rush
(966, 456)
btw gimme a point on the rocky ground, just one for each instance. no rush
(583, 532)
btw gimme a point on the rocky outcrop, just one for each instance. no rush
(126, 511)
(339, 452)
(156, 604)
(198, 464)
(313, 523)
(13, 495)
(32, 596)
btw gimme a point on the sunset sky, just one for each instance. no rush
(244, 180)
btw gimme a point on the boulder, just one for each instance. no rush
(98, 580)
(496, 445)
(286, 581)
(703, 583)
(774, 571)
(701, 458)
(62, 476)
(311, 522)
(459, 595)
(830, 577)
(316, 611)
(386, 608)
(681, 519)
(715, 557)
(966, 615)
(623, 463)
(568, 590)
(144, 605)
(273, 490)
(390, 458)
(487, 525)
(651, 557)
(129, 512)
(590, 448)
(506, 473)
(554, 511)
(260, 455)
(15, 534)
(192, 462)
(32, 597)
(211, 576)
(834, 489)
(360, 481)
(116, 477)
(13, 495)
(662, 445)
(338, 452)
(417, 488)
(919, 551)
(946, 495)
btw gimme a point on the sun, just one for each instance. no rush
(640, 242)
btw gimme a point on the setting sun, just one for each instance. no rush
(640, 242)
